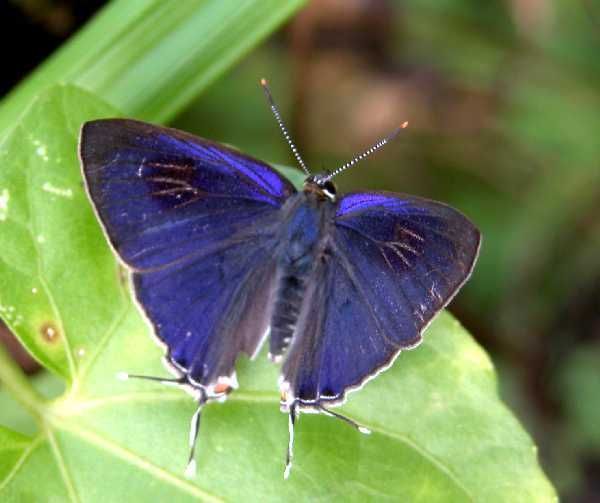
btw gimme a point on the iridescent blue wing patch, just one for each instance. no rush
(394, 261)
(197, 223)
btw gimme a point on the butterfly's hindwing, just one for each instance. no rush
(395, 262)
(209, 311)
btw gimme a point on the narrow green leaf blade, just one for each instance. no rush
(149, 58)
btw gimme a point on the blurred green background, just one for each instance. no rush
(503, 101)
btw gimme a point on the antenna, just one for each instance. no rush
(367, 152)
(286, 135)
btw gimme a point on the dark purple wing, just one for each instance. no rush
(164, 195)
(393, 263)
(210, 309)
(196, 222)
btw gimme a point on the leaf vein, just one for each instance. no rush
(440, 465)
(62, 467)
(268, 398)
(103, 341)
(136, 460)
(21, 461)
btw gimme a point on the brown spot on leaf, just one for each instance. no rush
(49, 332)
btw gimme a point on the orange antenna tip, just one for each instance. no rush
(286, 135)
(369, 151)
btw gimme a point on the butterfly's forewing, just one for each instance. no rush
(196, 222)
(394, 261)
(163, 195)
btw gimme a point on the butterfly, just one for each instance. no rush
(225, 253)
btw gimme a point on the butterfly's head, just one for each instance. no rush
(321, 186)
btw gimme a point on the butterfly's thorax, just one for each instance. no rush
(305, 231)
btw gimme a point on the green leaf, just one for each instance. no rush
(150, 58)
(49, 245)
(440, 432)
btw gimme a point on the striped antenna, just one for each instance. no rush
(366, 153)
(286, 135)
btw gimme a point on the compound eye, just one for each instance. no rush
(328, 189)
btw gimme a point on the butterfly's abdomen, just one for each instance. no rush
(305, 225)
(285, 314)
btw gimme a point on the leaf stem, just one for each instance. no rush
(18, 386)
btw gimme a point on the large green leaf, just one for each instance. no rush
(440, 431)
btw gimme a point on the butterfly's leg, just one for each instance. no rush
(292, 416)
(347, 420)
(190, 471)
